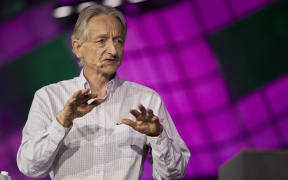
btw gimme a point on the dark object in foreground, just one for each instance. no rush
(256, 165)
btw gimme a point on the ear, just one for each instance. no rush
(76, 48)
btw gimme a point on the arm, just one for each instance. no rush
(43, 134)
(169, 153)
(42, 137)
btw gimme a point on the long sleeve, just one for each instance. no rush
(169, 153)
(41, 138)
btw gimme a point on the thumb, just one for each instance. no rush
(96, 102)
(129, 123)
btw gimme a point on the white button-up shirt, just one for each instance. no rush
(98, 146)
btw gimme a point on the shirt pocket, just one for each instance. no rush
(130, 142)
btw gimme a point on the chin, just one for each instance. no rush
(110, 72)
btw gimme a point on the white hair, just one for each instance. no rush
(80, 30)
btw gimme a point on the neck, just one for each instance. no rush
(97, 81)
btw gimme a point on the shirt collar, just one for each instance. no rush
(111, 87)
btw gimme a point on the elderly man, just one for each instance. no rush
(98, 126)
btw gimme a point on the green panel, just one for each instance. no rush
(253, 51)
(10, 8)
(47, 64)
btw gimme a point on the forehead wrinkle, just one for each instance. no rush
(104, 24)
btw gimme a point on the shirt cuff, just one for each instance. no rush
(160, 142)
(57, 132)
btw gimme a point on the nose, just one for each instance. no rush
(111, 48)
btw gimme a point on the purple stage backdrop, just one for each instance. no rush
(168, 50)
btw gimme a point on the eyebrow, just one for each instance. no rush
(106, 36)
(101, 36)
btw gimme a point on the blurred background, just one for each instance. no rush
(221, 67)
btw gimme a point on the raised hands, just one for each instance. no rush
(77, 106)
(146, 122)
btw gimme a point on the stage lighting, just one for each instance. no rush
(112, 3)
(67, 11)
(63, 11)
(84, 5)
(136, 1)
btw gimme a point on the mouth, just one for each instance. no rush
(110, 61)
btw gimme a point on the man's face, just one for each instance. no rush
(102, 52)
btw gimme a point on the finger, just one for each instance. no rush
(83, 93)
(150, 113)
(155, 119)
(92, 105)
(96, 102)
(135, 113)
(87, 97)
(82, 98)
(129, 123)
(76, 94)
(142, 109)
(79, 92)
(71, 102)
(89, 108)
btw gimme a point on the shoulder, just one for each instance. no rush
(139, 88)
(59, 86)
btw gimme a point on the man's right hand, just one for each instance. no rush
(77, 106)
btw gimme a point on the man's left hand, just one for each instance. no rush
(146, 122)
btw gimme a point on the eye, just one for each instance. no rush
(101, 41)
(119, 41)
